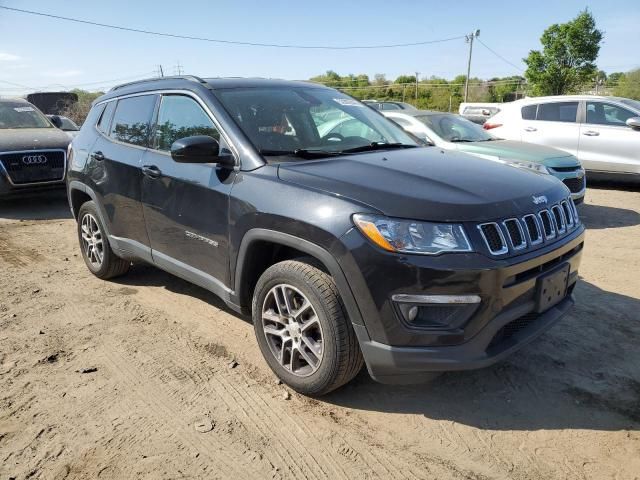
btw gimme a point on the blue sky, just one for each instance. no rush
(46, 53)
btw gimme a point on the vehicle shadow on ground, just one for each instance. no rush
(582, 374)
(603, 184)
(598, 216)
(50, 206)
(149, 276)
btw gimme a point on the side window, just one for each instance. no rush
(132, 118)
(558, 112)
(599, 113)
(105, 119)
(181, 117)
(390, 106)
(529, 112)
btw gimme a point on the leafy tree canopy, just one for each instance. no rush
(567, 59)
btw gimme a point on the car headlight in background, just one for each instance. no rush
(537, 167)
(412, 236)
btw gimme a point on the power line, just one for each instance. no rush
(520, 69)
(229, 42)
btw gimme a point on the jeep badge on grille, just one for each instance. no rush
(539, 200)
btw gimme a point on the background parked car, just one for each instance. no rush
(478, 112)
(33, 153)
(453, 132)
(603, 132)
(67, 125)
(388, 105)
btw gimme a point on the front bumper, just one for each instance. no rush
(575, 181)
(396, 352)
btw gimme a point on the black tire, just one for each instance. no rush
(111, 265)
(341, 359)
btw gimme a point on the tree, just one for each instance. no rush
(567, 59)
(629, 85)
(78, 111)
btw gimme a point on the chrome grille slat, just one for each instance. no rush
(519, 234)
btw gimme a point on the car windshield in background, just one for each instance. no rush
(309, 122)
(453, 128)
(632, 103)
(21, 115)
(68, 125)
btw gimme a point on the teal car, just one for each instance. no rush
(453, 132)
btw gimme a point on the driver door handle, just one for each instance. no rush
(591, 133)
(530, 129)
(151, 171)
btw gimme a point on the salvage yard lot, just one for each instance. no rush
(149, 376)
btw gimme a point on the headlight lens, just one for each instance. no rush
(411, 236)
(537, 167)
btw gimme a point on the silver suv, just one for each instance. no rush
(603, 132)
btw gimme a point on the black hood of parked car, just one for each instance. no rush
(428, 184)
(18, 139)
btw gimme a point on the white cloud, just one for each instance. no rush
(8, 57)
(64, 73)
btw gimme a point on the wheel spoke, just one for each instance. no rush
(270, 330)
(306, 305)
(313, 321)
(312, 362)
(287, 301)
(271, 316)
(314, 347)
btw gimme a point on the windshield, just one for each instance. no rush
(68, 125)
(453, 128)
(632, 103)
(287, 120)
(21, 115)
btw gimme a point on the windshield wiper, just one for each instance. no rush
(462, 140)
(378, 146)
(300, 152)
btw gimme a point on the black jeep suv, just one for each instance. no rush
(345, 240)
(32, 150)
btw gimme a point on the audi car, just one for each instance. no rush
(33, 149)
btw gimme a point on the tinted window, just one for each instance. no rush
(558, 111)
(181, 117)
(529, 112)
(454, 128)
(105, 119)
(132, 118)
(390, 106)
(599, 113)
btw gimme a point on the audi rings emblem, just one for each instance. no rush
(34, 159)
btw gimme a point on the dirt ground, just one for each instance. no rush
(136, 378)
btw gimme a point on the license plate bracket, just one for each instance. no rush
(552, 288)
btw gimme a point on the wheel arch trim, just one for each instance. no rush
(310, 248)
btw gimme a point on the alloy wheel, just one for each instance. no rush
(92, 241)
(292, 330)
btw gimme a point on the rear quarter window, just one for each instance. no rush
(529, 112)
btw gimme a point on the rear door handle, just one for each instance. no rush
(151, 171)
(591, 133)
(530, 129)
(99, 156)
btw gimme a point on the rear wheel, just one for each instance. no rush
(96, 251)
(302, 329)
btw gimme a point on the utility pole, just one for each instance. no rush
(417, 73)
(160, 71)
(469, 39)
(178, 68)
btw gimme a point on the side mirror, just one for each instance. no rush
(56, 120)
(634, 122)
(200, 149)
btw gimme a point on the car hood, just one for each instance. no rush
(521, 151)
(18, 139)
(427, 184)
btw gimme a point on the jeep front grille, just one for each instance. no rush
(515, 234)
(34, 166)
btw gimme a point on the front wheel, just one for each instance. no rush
(96, 251)
(302, 329)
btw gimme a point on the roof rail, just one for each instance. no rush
(192, 78)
